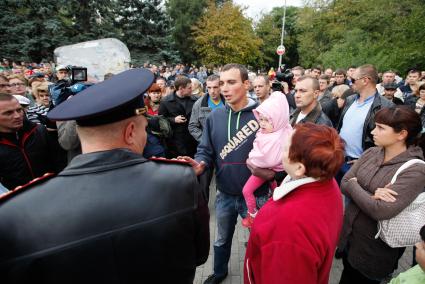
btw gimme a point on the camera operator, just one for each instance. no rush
(62, 73)
(285, 81)
(67, 76)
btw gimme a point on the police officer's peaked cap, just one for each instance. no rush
(115, 99)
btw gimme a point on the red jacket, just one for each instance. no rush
(293, 239)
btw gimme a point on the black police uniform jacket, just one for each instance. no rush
(109, 217)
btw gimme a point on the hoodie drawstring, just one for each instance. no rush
(228, 123)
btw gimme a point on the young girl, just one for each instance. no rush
(273, 117)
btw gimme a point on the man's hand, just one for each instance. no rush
(285, 88)
(180, 119)
(265, 174)
(197, 167)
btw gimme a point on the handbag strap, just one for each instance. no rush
(405, 166)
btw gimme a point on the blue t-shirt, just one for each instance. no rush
(352, 126)
(212, 105)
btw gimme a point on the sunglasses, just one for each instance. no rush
(354, 80)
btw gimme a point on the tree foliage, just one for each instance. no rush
(334, 33)
(32, 30)
(345, 32)
(223, 35)
(145, 28)
(184, 14)
(269, 29)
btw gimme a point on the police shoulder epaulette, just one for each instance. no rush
(170, 161)
(26, 186)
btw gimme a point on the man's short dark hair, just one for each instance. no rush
(340, 71)
(314, 81)
(242, 70)
(317, 67)
(414, 71)
(325, 77)
(161, 78)
(108, 76)
(300, 69)
(265, 78)
(6, 97)
(213, 77)
(181, 81)
(370, 71)
(388, 71)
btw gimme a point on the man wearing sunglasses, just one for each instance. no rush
(357, 118)
(110, 216)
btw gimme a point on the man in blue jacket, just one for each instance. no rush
(226, 142)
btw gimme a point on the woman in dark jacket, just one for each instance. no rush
(372, 198)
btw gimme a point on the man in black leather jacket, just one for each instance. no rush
(111, 216)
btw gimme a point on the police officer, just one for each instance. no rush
(111, 216)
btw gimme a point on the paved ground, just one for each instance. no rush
(238, 253)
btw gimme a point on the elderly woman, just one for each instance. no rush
(197, 88)
(335, 106)
(366, 259)
(294, 235)
(37, 113)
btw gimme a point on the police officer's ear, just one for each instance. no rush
(129, 133)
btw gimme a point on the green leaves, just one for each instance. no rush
(223, 35)
(30, 31)
(347, 32)
(269, 29)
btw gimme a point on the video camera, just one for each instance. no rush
(282, 76)
(69, 86)
(77, 74)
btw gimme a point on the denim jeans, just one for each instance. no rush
(342, 171)
(227, 209)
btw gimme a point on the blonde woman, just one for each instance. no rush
(197, 88)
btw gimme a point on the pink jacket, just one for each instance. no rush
(268, 147)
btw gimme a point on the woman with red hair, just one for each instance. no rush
(153, 99)
(294, 236)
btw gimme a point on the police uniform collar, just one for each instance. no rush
(101, 161)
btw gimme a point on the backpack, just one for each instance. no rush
(159, 126)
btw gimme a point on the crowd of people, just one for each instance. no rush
(306, 161)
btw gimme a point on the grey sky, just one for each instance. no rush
(255, 7)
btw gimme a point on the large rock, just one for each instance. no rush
(100, 57)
